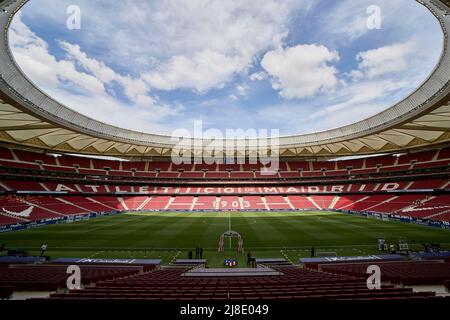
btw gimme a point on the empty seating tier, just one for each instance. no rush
(294, 284)
(66, 164)
(52, 277)
(407, 273)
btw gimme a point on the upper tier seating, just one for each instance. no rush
(6, 154)
(27, 156)
(133, 165)
(102, 164)
(158, 165)
(19, 165)
(188, 175)
(384, 161)
(71, 161)
(444, 153)
(423, 156)
(350, 164)
(239, 171)
(428, 165)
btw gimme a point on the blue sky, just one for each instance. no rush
(296, 66)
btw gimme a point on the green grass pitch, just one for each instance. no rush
(267, 234)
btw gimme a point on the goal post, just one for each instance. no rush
(230, 235)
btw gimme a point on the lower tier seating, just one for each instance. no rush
(407, 273)
(19, 209)
(52, 277)
(294, 283)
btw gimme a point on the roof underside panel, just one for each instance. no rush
(29, 118)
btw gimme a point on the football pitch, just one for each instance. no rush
(171, 235)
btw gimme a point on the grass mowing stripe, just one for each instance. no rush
(229, 229)
(248, 233)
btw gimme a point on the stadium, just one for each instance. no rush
(144, 216)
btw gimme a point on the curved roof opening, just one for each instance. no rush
(295, 66)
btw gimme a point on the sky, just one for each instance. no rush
(297, 66)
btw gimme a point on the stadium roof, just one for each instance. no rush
(29, 117)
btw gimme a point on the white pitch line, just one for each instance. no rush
(229, 225)
(175, 257)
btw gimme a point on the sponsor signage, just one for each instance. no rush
(225, 190)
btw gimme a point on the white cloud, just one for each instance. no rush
(204, 45)
(385, 60)
(342, 107)
(135, 88)
(85, 91)
(345, 21)
(258, 76)
(233, 97)
(355, 74)
(301, 71)
(31, 52)
(359, 94)
(201, 45)
(207, 69)
(242, 89)
(192, 44)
